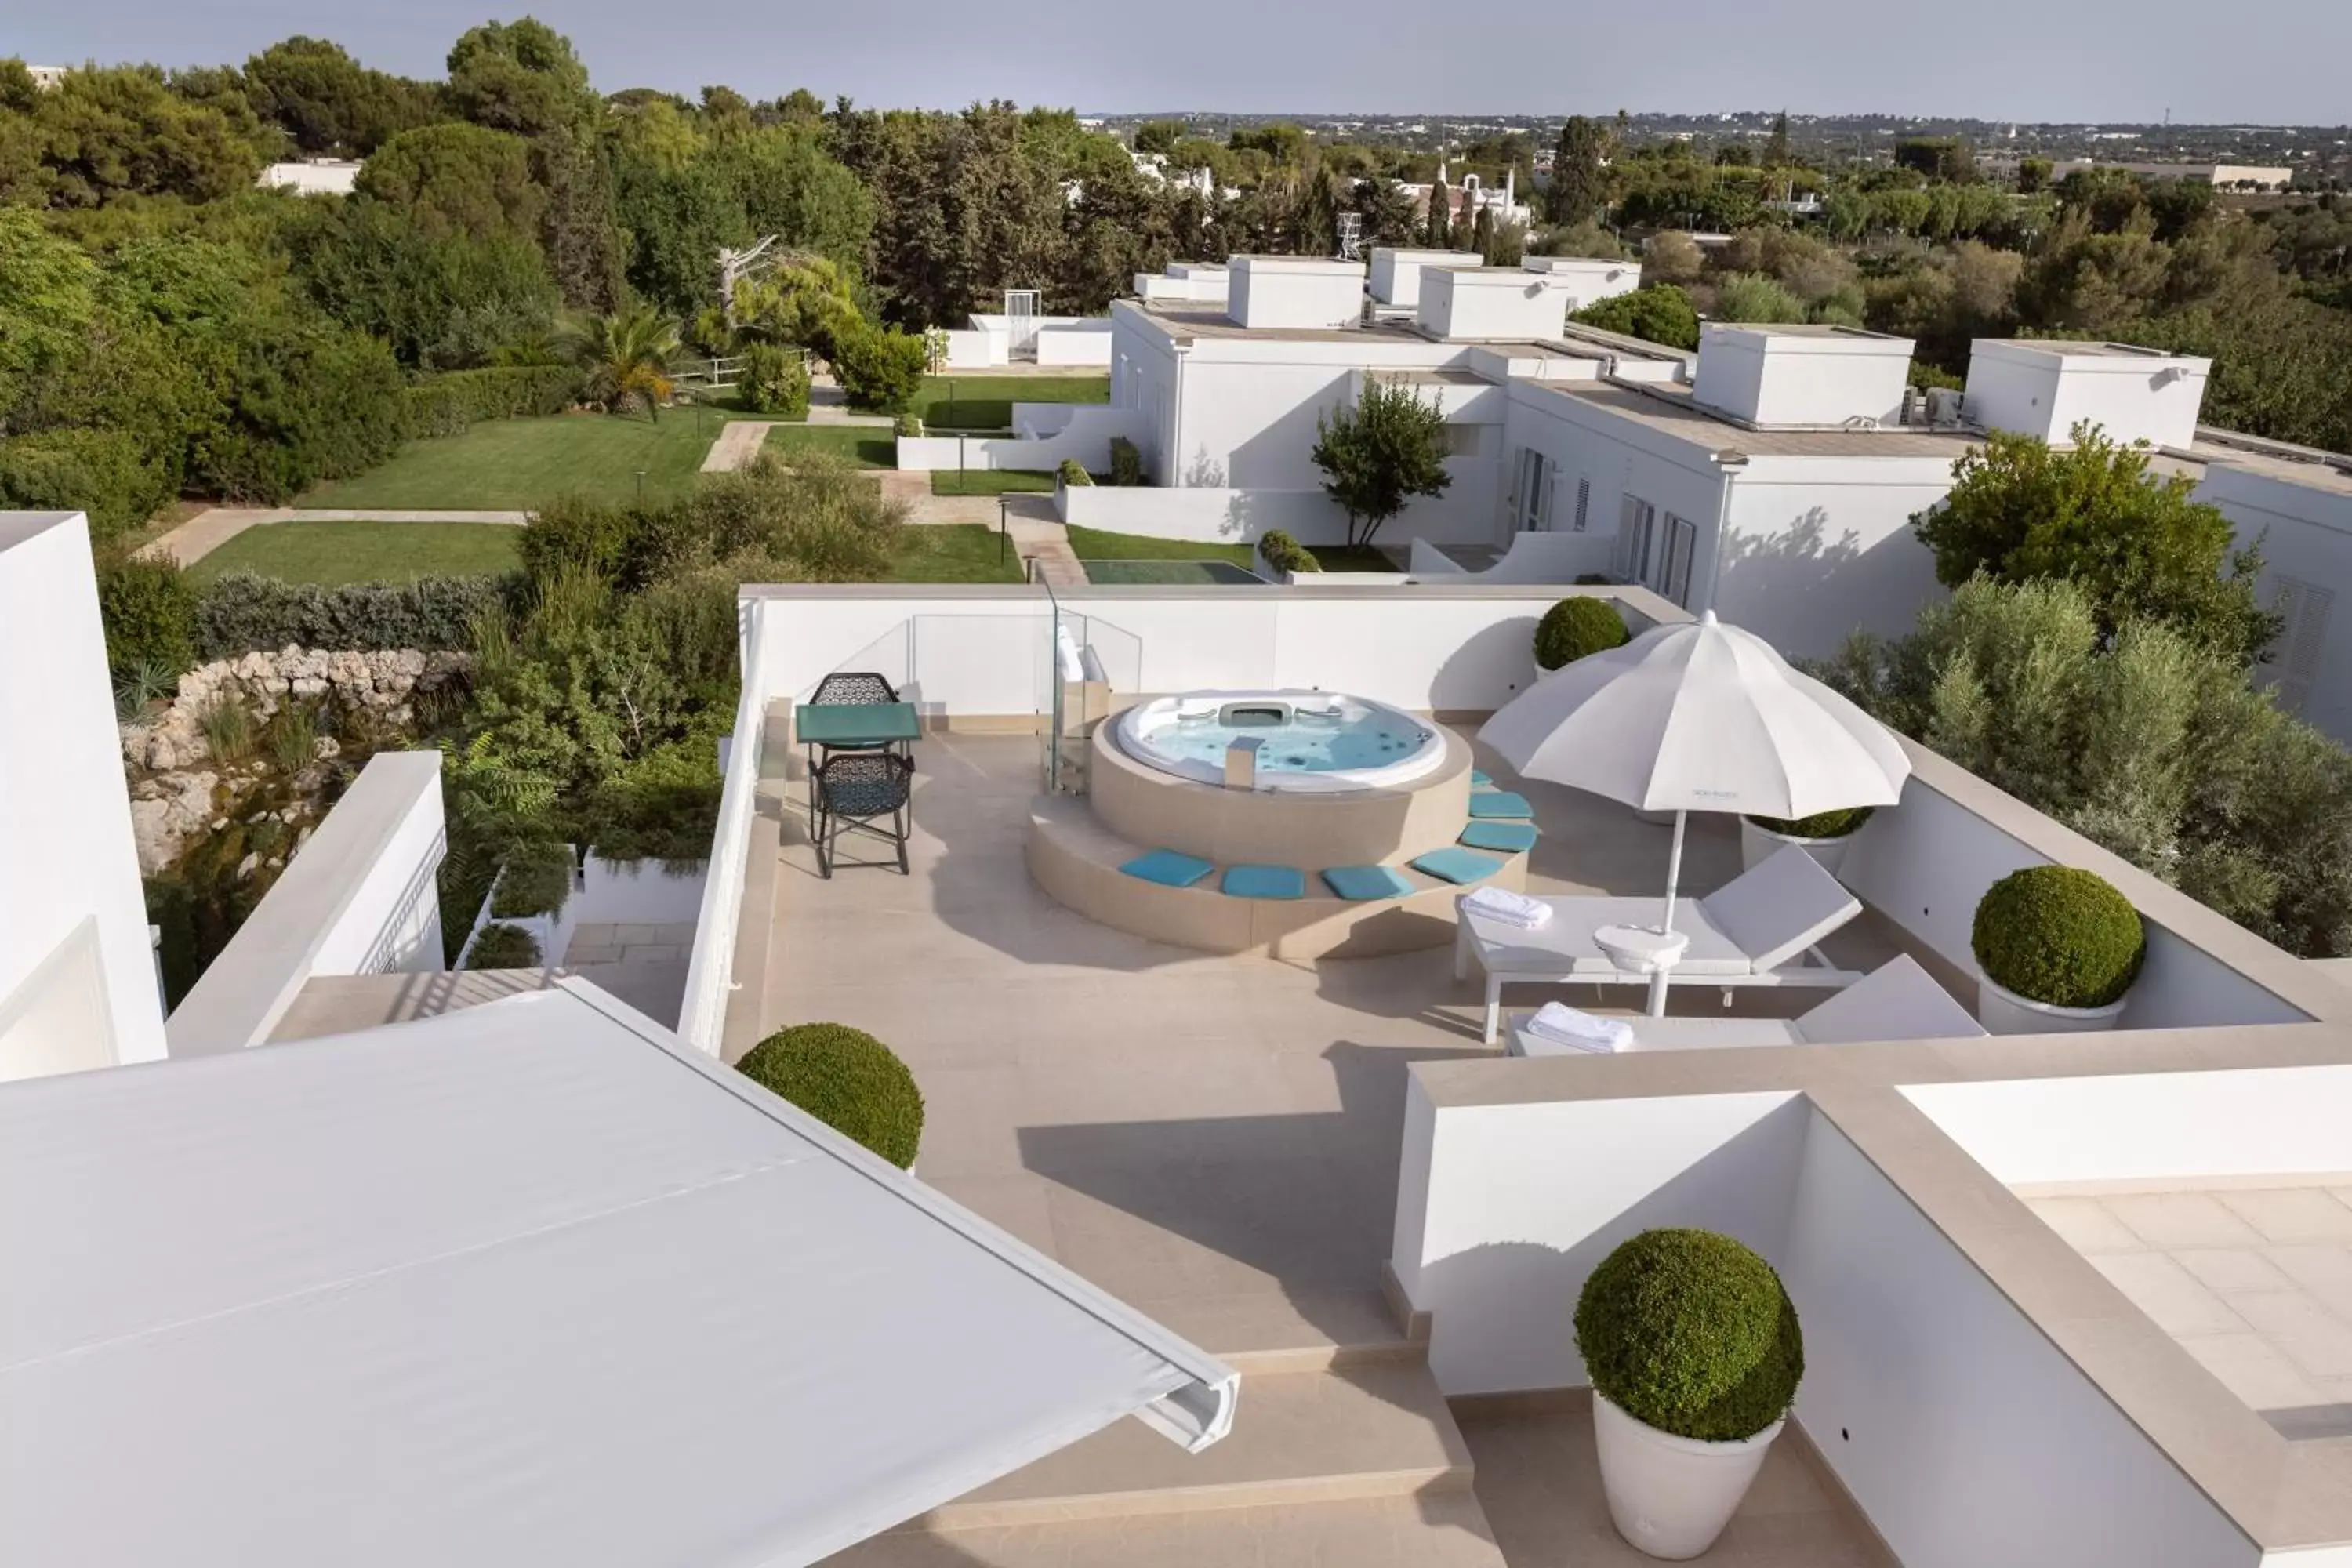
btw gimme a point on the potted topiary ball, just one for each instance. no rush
(1695, 1356)
(2059, 947)
(845, 1078)
(1823, 835)
(1575, 628)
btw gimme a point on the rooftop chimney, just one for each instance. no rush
(1815, 377)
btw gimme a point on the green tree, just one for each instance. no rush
(2138, 546)
(1159, 135)
(1776, 146)
(1381, 455)
(1386, 207)
(518, 75)
(2032, 175)
(879, 368)
(625, 359)
(1752, 297)
(1578, 188)
(114, 133)
(48, 297)
(2137, 736)
(458, 179)
(1657, 314)
(329, 103)
(1440, 233)
(443, 303)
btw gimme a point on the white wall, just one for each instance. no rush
(1462, 516)
(1290, 291)
(1924, 863)
(1817, 548)
(1083, 341)
(1532, 557)
(1085, 435)
(1417, 647)
(1965, 1434)
(2305, 533)
(1503, 1210)
(71, 908)
(2179, 1126)
(1396, 271)
(359, 897)
(1588, 279)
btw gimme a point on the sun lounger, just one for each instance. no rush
(1896, 1001)
(1757, 930)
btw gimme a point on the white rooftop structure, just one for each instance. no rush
(1275, 291)
(2045, 388)
(1396, 271)
(1472, 304)
(1588, 280)
(1801, 376)
(527, 1282)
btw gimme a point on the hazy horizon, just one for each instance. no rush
(2003, 60)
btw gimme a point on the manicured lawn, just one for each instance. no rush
(868, 445)
(515, 464)
(1094, 544)
(332, 553)
(990, 483)
(985, 402)
(959, 553)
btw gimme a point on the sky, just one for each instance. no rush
(2075, 60)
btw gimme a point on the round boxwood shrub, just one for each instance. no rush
(1821, 824)
(2059, 935)
(501, 946)
(1690, 1332)
(845, 1078)
(1284, 554)
(1574, 627)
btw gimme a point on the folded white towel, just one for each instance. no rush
(1511, 908)
(1556, 1021)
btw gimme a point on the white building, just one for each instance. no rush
(2221, 176)
(313, 176)
(48, 79)
(2296, 503)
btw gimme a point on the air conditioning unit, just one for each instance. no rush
(1943, 405)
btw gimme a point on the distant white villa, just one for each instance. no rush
(313, 176)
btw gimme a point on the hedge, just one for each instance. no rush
(1126, 462)
(845, 1078)
(1835, 823)
(775, 381)
(108, 474)
(149, 610)
(1692, 1333)
(501, 946)
(1575, 628)
(2059, 935)
(445, 405)
(243, 612)
(1073, 472)
(878, 368)
(1284, 554)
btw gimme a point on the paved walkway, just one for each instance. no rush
(209, 530)
(828, 405)
(737, 445)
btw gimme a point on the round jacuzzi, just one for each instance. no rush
(1305, 741)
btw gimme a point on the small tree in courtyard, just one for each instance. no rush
(1381, 454)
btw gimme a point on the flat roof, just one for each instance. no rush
(1805, 330)
(2306, 466)
(1196, 319)
(2074, 348)
(1671, 410)
(527, 1282)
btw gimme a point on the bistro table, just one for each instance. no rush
(851, 726)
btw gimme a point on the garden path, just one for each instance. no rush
(208, 530)
(737, 445)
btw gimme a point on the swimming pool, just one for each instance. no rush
(1307, 740)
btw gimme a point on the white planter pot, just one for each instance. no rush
(1758, 845)
(1672, 1496)
(2004, 1011)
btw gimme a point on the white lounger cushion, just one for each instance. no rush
(1754, 923)
(1896, 1001)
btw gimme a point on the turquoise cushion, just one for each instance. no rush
(1500, 803)
(1480, 781)
(1510, 838)
(1264, 882)
(1168, 868)
(1457, 865)
(1364, 884)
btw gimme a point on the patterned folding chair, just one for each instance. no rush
(855, 790)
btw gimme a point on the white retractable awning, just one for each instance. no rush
(530, 1282)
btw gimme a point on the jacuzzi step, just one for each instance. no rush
(1077, 859)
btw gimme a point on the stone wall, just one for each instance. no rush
(384, 684)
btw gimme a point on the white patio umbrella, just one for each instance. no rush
(1699, 716)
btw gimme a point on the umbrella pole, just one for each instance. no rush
(1662, 977)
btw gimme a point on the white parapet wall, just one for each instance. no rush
(702, 1011)
(1085, 435)
(1242, 516)
(1533, 557)
(360, 898)
(1939, 1402)
(78, 986)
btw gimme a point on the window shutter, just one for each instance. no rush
(2305, 607)
(1583, 501)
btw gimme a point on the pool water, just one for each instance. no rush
(1331, 740)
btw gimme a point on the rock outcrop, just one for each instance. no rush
(384, 685)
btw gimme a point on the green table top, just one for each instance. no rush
(854, 723)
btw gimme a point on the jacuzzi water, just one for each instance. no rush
(1307, 740)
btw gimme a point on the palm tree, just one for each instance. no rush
(627, 357)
